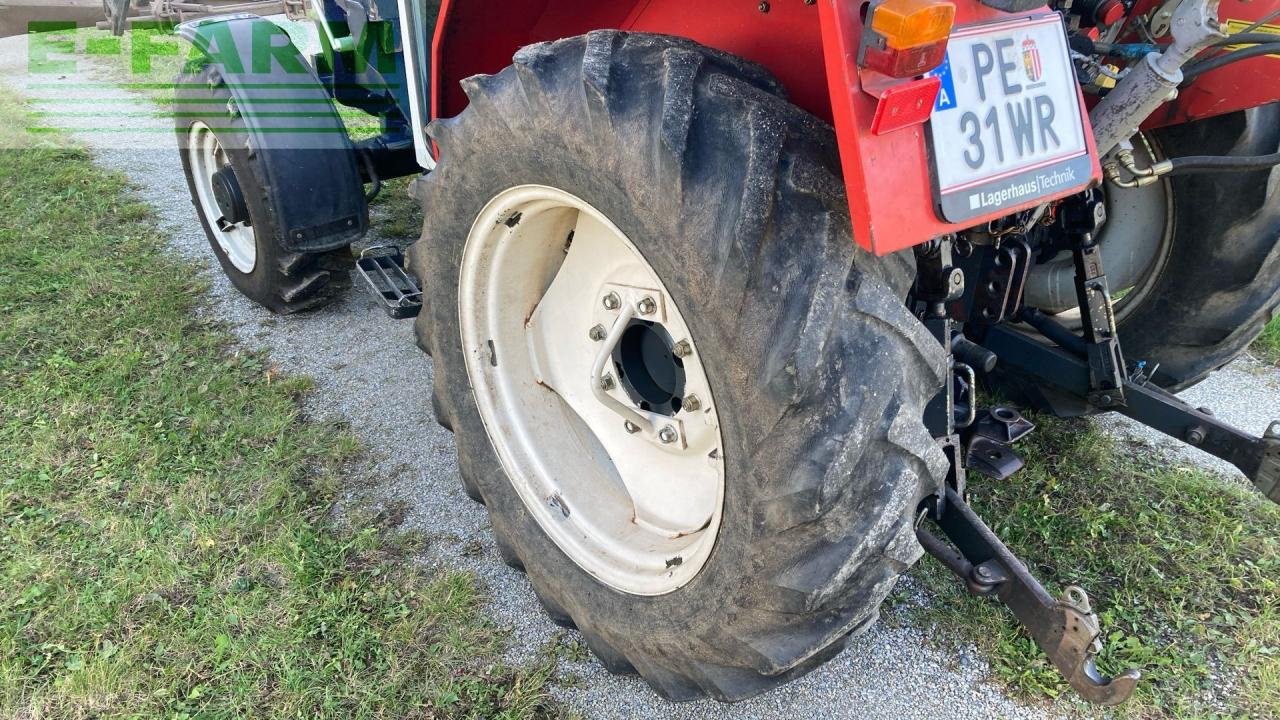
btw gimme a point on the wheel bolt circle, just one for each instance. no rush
(682, 349)
(607, 383)
(631, 427)
(612, 301)
(691, 403)
(647, 306)
(598, 333)
(667, 435)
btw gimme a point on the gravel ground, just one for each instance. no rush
(369, 374)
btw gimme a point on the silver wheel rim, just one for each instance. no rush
(551, 295)
(206, 156)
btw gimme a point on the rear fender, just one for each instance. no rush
(301, 144)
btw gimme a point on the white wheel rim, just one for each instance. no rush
(639, 510)
(207, 157)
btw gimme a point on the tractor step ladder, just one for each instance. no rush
(382, 267)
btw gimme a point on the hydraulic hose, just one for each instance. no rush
(1149, 84)
(1192, 72)
(1222, 163)
(1256, 38)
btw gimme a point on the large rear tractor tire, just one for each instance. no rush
(1221, 283)
(692, 406)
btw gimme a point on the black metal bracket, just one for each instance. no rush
(988, 443)
(1065, 628)
(1257, 457)
(939, 282)
(1106, 362)
(1001, 276)
(1081, 217)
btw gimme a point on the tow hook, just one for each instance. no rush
(1065, 628)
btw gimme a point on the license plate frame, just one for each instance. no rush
(963, 191)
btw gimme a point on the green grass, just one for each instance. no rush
(396, 216)
(166, 540)
(1267, 346)
(1183, 568)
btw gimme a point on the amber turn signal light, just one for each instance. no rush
(905, 38)
(911, 23)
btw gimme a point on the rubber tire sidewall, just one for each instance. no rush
(1220, 284)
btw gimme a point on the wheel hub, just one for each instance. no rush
(651, 374)
(219, 198)
(229, 196)
(591, 389)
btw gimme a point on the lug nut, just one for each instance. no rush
(598, 333)
(667, 435)
(682, 349)
(631, 427)
(647, 306)
(691, 403)
(612, 301)
(607, 383)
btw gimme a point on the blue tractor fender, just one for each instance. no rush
(300, 144)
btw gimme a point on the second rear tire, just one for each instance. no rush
(1220, 285)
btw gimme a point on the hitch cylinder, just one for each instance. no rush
(1144, 89)
(1155, 80)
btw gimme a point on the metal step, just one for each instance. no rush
(382, 267)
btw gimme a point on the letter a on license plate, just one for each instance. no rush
(1007, 130)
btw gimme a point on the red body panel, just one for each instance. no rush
(888, 177)
(1238, 86)
(812, 50)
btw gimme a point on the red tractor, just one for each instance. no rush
(714, 290)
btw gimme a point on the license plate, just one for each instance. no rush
(1007, 128)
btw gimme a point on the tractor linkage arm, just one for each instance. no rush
(1093, 366)
(1066, 629)
(1089, 366)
